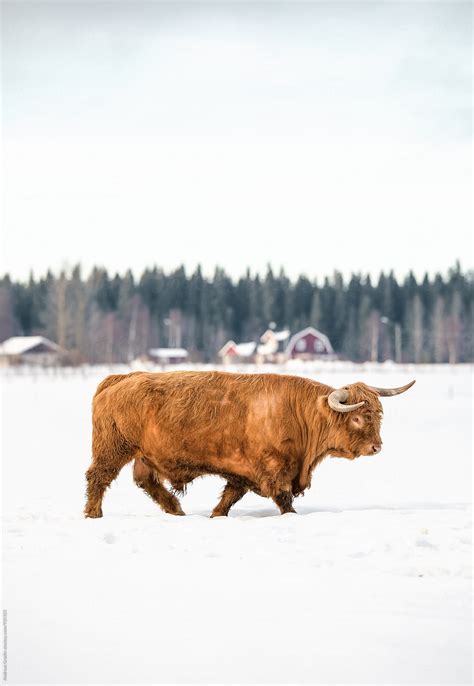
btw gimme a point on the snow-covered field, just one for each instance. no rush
(370, 583)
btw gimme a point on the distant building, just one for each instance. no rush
(278, 346)
(168, 355)
(272, 346)
(233, 352)
(30, 350)
(308, 344)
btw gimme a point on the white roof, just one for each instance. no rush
(17, 345)
(168, 352)
(246, 349)
(275, 335)
(241, 349)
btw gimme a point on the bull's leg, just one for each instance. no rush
(99, 476)
(110, 452)
(284, 502)
(231, 494)
(275, 479)
(146, 478)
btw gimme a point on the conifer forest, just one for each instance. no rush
(109, 318)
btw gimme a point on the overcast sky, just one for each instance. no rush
(314, 136)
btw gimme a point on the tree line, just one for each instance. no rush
(115, 318)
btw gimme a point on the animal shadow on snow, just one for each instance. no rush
(263, 512)
(302, 510)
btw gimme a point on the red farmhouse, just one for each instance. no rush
(308, 344)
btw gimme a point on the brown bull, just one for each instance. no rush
(261, 432)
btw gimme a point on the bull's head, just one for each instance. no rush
(356, 430)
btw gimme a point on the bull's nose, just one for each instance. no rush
(376, 448)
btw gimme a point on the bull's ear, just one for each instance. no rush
(357, 419)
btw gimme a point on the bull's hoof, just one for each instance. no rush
(176, 513)
(93, 515)
(218, 514)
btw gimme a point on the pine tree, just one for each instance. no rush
(8, 323)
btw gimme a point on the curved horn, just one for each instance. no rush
(384, 392)
(337, 398)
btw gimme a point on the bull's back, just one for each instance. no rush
(111, 380)
(218, 418)
(212, 413)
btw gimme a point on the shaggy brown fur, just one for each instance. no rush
(261, 432)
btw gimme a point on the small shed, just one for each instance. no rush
(308, 344)
(233, 352)
(36, 350)
(168, 355)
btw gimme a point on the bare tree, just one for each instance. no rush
(416, 328)
(453, 328)
(438, 330)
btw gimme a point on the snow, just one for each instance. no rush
(369, 583)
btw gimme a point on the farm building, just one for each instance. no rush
(233, 352)
(272, 346)
(35, 350)
(168, 355)
(277, 347)
(308, 344)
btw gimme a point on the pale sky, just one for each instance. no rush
(313, 136)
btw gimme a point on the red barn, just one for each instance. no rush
(308, 344)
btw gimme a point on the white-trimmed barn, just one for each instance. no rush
(308, 344)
